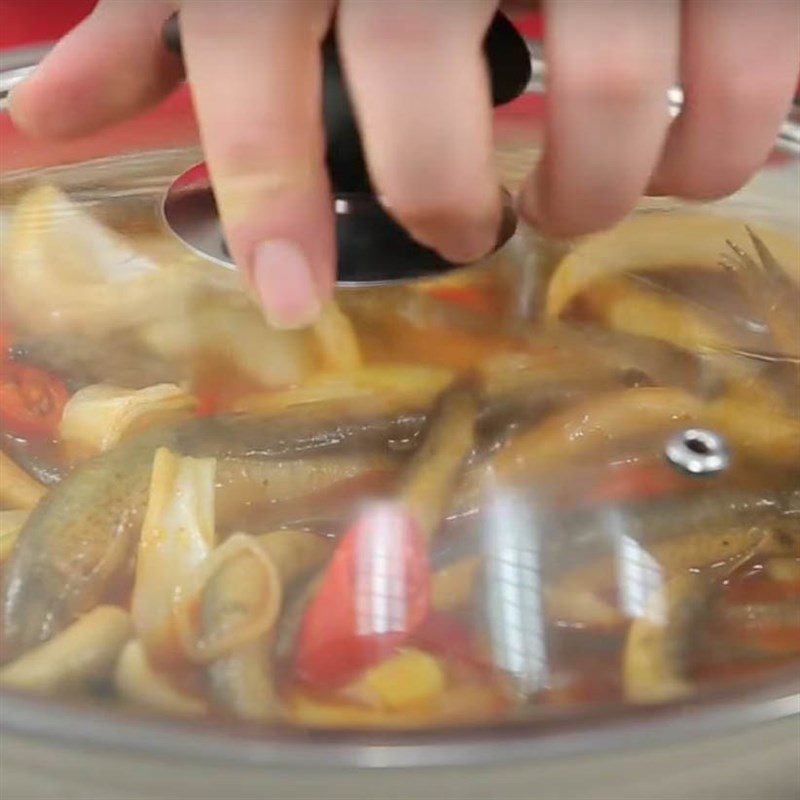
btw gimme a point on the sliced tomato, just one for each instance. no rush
(374, 596)
(31, 400)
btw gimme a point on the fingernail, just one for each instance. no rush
(284, 282)
(13, 105)
(470, 244)
(459, 242)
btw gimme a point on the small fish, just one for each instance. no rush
(81, 538)
(702, 530)
(765, 282)
(241, 676)
(117, 359)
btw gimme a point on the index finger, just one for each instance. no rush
(255, 74)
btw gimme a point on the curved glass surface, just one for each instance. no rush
(563, 480)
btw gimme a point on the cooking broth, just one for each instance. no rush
(432, 508)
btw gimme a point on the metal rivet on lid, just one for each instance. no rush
(698, 452)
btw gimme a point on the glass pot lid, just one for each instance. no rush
(560, 482)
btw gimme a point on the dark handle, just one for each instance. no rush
(509, 69)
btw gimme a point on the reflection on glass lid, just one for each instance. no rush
(444, 504)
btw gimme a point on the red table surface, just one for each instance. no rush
(26, 22)
(33, 21)
(29, 22)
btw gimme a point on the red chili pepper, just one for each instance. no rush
(633, 481)
(374, 596)
(469, 297)
(31, 400)
(207, 404)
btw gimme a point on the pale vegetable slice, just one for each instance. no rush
(658, 241)
(236, 634)
(388, 385)
(17, 488)
(657, 646)
(461, 704)
(620, 305)
(337, 340)
(137, 682)
(411, 678)
(66, 233)
(233, 328)
(227, 328)
(98, 417)
(11, 523)
(66, 272)
(453, 586)
(85, 651)
(177, 536)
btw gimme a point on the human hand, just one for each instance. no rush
(419, 88)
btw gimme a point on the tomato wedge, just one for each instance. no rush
(31, 400)
(374, 596)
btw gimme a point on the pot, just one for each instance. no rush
(614, 434)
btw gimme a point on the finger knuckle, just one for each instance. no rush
(570, 221)
(242, 153)
(253, 156)
(623, 82)
(716, 180)
(740, 95)
(438, 204)
(390, 25)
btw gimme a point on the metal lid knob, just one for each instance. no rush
(371, 246)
